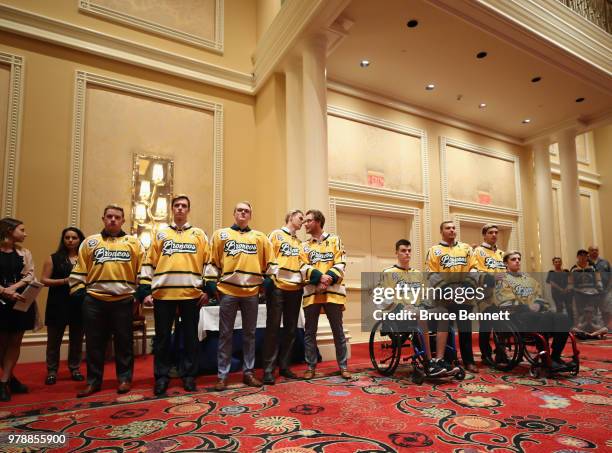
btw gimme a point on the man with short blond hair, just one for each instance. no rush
(240, 259)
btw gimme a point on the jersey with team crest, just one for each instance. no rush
(517, 289)
(239, 260)
(175, 263)
(487, 259)
(108, 267)
(286, 249)
(398, 277)
(326, 256)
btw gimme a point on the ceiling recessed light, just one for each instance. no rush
(412, 23)
(482, 105)
(536, 79)
(364, 63)
(430, 87)
(580, 100)
(481, 54)
(526, 121)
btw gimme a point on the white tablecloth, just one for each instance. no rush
(209, 319)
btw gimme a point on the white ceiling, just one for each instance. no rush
(442, 50)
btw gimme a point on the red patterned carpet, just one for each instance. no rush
(487, 412)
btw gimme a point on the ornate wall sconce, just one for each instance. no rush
(152, 188)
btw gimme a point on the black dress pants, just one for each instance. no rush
(286, 305)
(102, 319)
(55, 334)
(165, 312)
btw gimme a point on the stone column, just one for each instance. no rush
(572, 220)
(544, 202)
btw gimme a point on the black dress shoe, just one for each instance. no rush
(189, 384)
(51, 379)
(124, 387)
(15, 386)
(5, 395)
(160, 387)
(77, 376)
(89, 390)
(268, 378)
(288, 374)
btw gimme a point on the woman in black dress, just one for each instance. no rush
(61, 310)
(16, 271)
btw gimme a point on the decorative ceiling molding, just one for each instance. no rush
(62, 33)
(292, 21)
(419, 111)
(541, 28)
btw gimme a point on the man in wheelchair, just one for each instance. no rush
(521, 295)
(402, 275)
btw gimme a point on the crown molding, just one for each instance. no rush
(542, 28)
(349, 90)
(292, 21)
(62, 33)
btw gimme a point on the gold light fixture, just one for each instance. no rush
(152, 186)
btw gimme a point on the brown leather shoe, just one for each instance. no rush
(124, 387)
(89, 390)
(250, 380)
(471, 367)
(346, 374)
(221, 385)
(309, 373)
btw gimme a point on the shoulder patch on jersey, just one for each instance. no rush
(279, 237)
(482, 253)
(91, 243)
(306, 249)
(437, 252)
(161, 236)
(223, 235)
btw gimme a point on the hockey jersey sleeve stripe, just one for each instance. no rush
(212, 272)
(114, 288)
(290, 276)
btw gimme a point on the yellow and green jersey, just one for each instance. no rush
(286, 249)
(108, 267)
(175, 263)
(516, 289)
(323, 256)
(399, 277)
(239, 260)
(488, 259)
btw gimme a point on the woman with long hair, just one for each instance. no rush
(16, 271)
(61, 310)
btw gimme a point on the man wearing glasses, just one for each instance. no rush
(323, 271)
(284, 297)
(240, 258)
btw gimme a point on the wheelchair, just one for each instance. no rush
(389, 340)
(510, 346)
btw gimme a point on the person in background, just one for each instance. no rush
(585, 282)
(16, 271)
(558, 280)
(62, 311)
(603, 267)
(588, 329)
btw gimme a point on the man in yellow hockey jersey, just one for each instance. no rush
(240, 259)
(449, 263)
(283, 298)
(323, 271)
(487, 259)
(106, 276)
(173, 272)
(521, 294)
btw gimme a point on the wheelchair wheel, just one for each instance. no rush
(507, 347)
(460, 375)
(535, 351)
(385, 348)
(418, 377)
